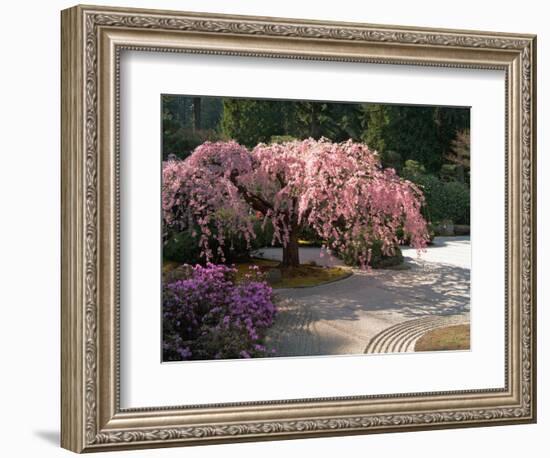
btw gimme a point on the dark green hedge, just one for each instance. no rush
(445, 200)
(183, 247)
(378, 260)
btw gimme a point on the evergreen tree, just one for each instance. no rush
(250, 122)
(398, 133)
(423, 134)
(459, 157)
(375, 122)
(335, 121)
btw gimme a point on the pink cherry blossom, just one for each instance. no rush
(339, 190)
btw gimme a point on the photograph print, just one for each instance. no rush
(313, 228)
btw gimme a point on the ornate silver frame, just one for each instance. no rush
(92, 38)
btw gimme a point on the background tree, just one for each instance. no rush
(338, 189)
(398, 133)
(333, 120)
(375, 121)
(422, 134)
(187, 122)
(250, 122)
(176, 116)
(197, 113)
(459, 156)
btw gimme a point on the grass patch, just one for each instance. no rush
(303, 242)
(264, 264)
(167, 266)
(448, 338)
(304, 275)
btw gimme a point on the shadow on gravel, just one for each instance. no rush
(426, 289)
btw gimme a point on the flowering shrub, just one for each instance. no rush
(209, 316)
(339, 190)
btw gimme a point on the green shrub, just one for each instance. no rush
(309, 235)
(456, 202)
(445, 200)
(182, 142)
(392, 159)
(407, 240)
(452, 172)
(183, 247)
(378, 259)
(412, 169)
(382, 261)
(264, 234)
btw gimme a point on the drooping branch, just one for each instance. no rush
(255, 201)
(337, 189)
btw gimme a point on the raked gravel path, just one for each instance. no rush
(379, 311)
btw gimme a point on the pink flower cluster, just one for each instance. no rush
(338, 189)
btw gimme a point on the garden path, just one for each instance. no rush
(376, 311)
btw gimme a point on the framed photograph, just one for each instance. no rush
(278, 228)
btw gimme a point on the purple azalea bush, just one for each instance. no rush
(209, 316)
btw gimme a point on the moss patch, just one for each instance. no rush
(167, 266)
(304, 275)
(264, 266)
(303, 242)
(448, 338)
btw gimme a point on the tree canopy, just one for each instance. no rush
(337, 189)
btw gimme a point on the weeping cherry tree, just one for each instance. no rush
(339, 190)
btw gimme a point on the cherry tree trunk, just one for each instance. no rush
(291, 253)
